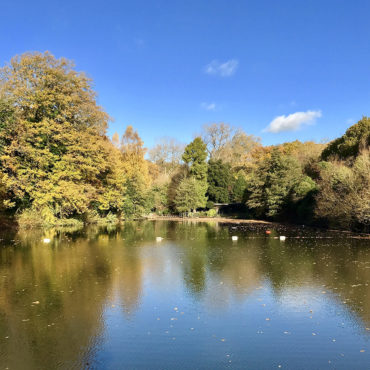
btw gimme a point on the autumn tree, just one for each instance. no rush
(238, 151)
(6, 121)
(115, 140)
(344, 180)
(133, 151)
(356, 138)
(56, 162)
(136, 172)
(216, 136)
(56, 156)
(229, 145)
(167, 154)
(344, 197)
(112, 196)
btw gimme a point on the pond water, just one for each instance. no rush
(116, 299)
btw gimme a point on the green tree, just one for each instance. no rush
(239, 188)
(136, 200)
(275, 183)
(190, 195)
(219, 181)
(177, 177)
(159, 198)
(195, 156)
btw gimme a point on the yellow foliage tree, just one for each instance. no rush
(56, 155)
(136, 172)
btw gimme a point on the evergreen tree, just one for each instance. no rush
(219, 181)
(136, 201)
(159, 198)
(195, 156)
(274, 184)
(239, 188)
(190, 195)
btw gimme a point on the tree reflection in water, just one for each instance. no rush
(54, 297)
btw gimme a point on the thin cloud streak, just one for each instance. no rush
(208, 106)
(225, 69)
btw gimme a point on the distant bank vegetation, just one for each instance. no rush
(58, 167)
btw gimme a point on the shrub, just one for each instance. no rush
(211, 213)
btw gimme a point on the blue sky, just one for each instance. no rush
(281, 70)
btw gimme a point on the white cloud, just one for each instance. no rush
(208, 106)
(225, 69)
(292, 122)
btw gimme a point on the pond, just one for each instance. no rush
(116, 298)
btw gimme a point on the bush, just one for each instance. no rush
(45, 218)
(211, 213)
(344, 194)
(93, 217)
(29, 218)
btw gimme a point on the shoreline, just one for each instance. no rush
(225, 220)
(215, 219)
(10, 223)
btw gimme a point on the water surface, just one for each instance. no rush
(117, 299)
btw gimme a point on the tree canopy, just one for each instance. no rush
(195, 156)
(57, 163)
(356, 138)
(219, 181)
(55, 155)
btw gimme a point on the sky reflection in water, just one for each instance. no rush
(115, 298)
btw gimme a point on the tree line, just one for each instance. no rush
(58, 166)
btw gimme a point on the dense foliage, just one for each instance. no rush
(57, 165)
(219, 179)
(277, 181)
(350, 145)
